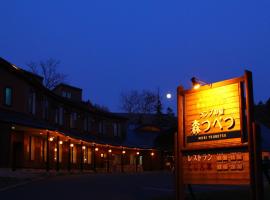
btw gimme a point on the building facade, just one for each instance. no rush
(40, 128)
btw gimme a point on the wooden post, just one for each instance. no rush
(57, 154)
(69, 156)
(48, 152)
(250, 120)
(94, 158)
(136, 162)
(122, 161)
(180, 187)
(258, 162)
(82, 152)
(108, 161)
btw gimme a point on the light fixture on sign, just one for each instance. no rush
(196, 83)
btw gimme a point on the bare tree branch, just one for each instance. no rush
(140, 102)
(48, 69)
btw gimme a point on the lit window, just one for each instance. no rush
(8, 96)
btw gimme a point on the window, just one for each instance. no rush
(31, 148)
(56, 115)
(73, 119)
(66, 94)
(89, 156)
(100, 127)
(45, 108)
(8, 94)
(73, 156)
(32, 103)
(61, 116)
(115, 129)
(87, 122)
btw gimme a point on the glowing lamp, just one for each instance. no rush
(196, 83)
(51, 139)
(61, 142)
(96, 149)
(55, 149)
(110, 151)
(102, 155)
(71, 145)
(83, 147)
(138, 153)
(152, 153)
(123, 152)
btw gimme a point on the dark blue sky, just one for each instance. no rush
(110, 46)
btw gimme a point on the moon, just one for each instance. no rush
(168, 95)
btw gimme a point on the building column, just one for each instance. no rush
(48, 152)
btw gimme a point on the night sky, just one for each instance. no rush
(110, 46)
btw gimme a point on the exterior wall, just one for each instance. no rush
(20, 90)
(22, 146)
(5, 140)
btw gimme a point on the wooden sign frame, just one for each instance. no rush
(248, 142)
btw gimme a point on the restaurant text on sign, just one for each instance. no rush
(212, 118)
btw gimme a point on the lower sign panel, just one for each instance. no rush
(216, 168)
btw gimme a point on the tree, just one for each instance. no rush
(144, 102)
(48, 70)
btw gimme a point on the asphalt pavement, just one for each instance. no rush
(141, 186)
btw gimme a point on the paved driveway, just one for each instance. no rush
(97, 187)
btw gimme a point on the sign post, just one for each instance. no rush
(217, 139)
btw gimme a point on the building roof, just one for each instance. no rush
(35, 81)
(67, 85)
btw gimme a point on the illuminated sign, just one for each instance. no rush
(213, 114)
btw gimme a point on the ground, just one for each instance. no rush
(127, 186)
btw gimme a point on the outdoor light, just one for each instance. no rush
(83, 147)
(102, 155)
(138, 153)
(40, 133)
(13, 127)
(196, 83)
(110, 151)
(55, 149)
(51, 139)
(123, 152)
(152, 153)
(71, 145)
(96, 149)
(60, 142)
